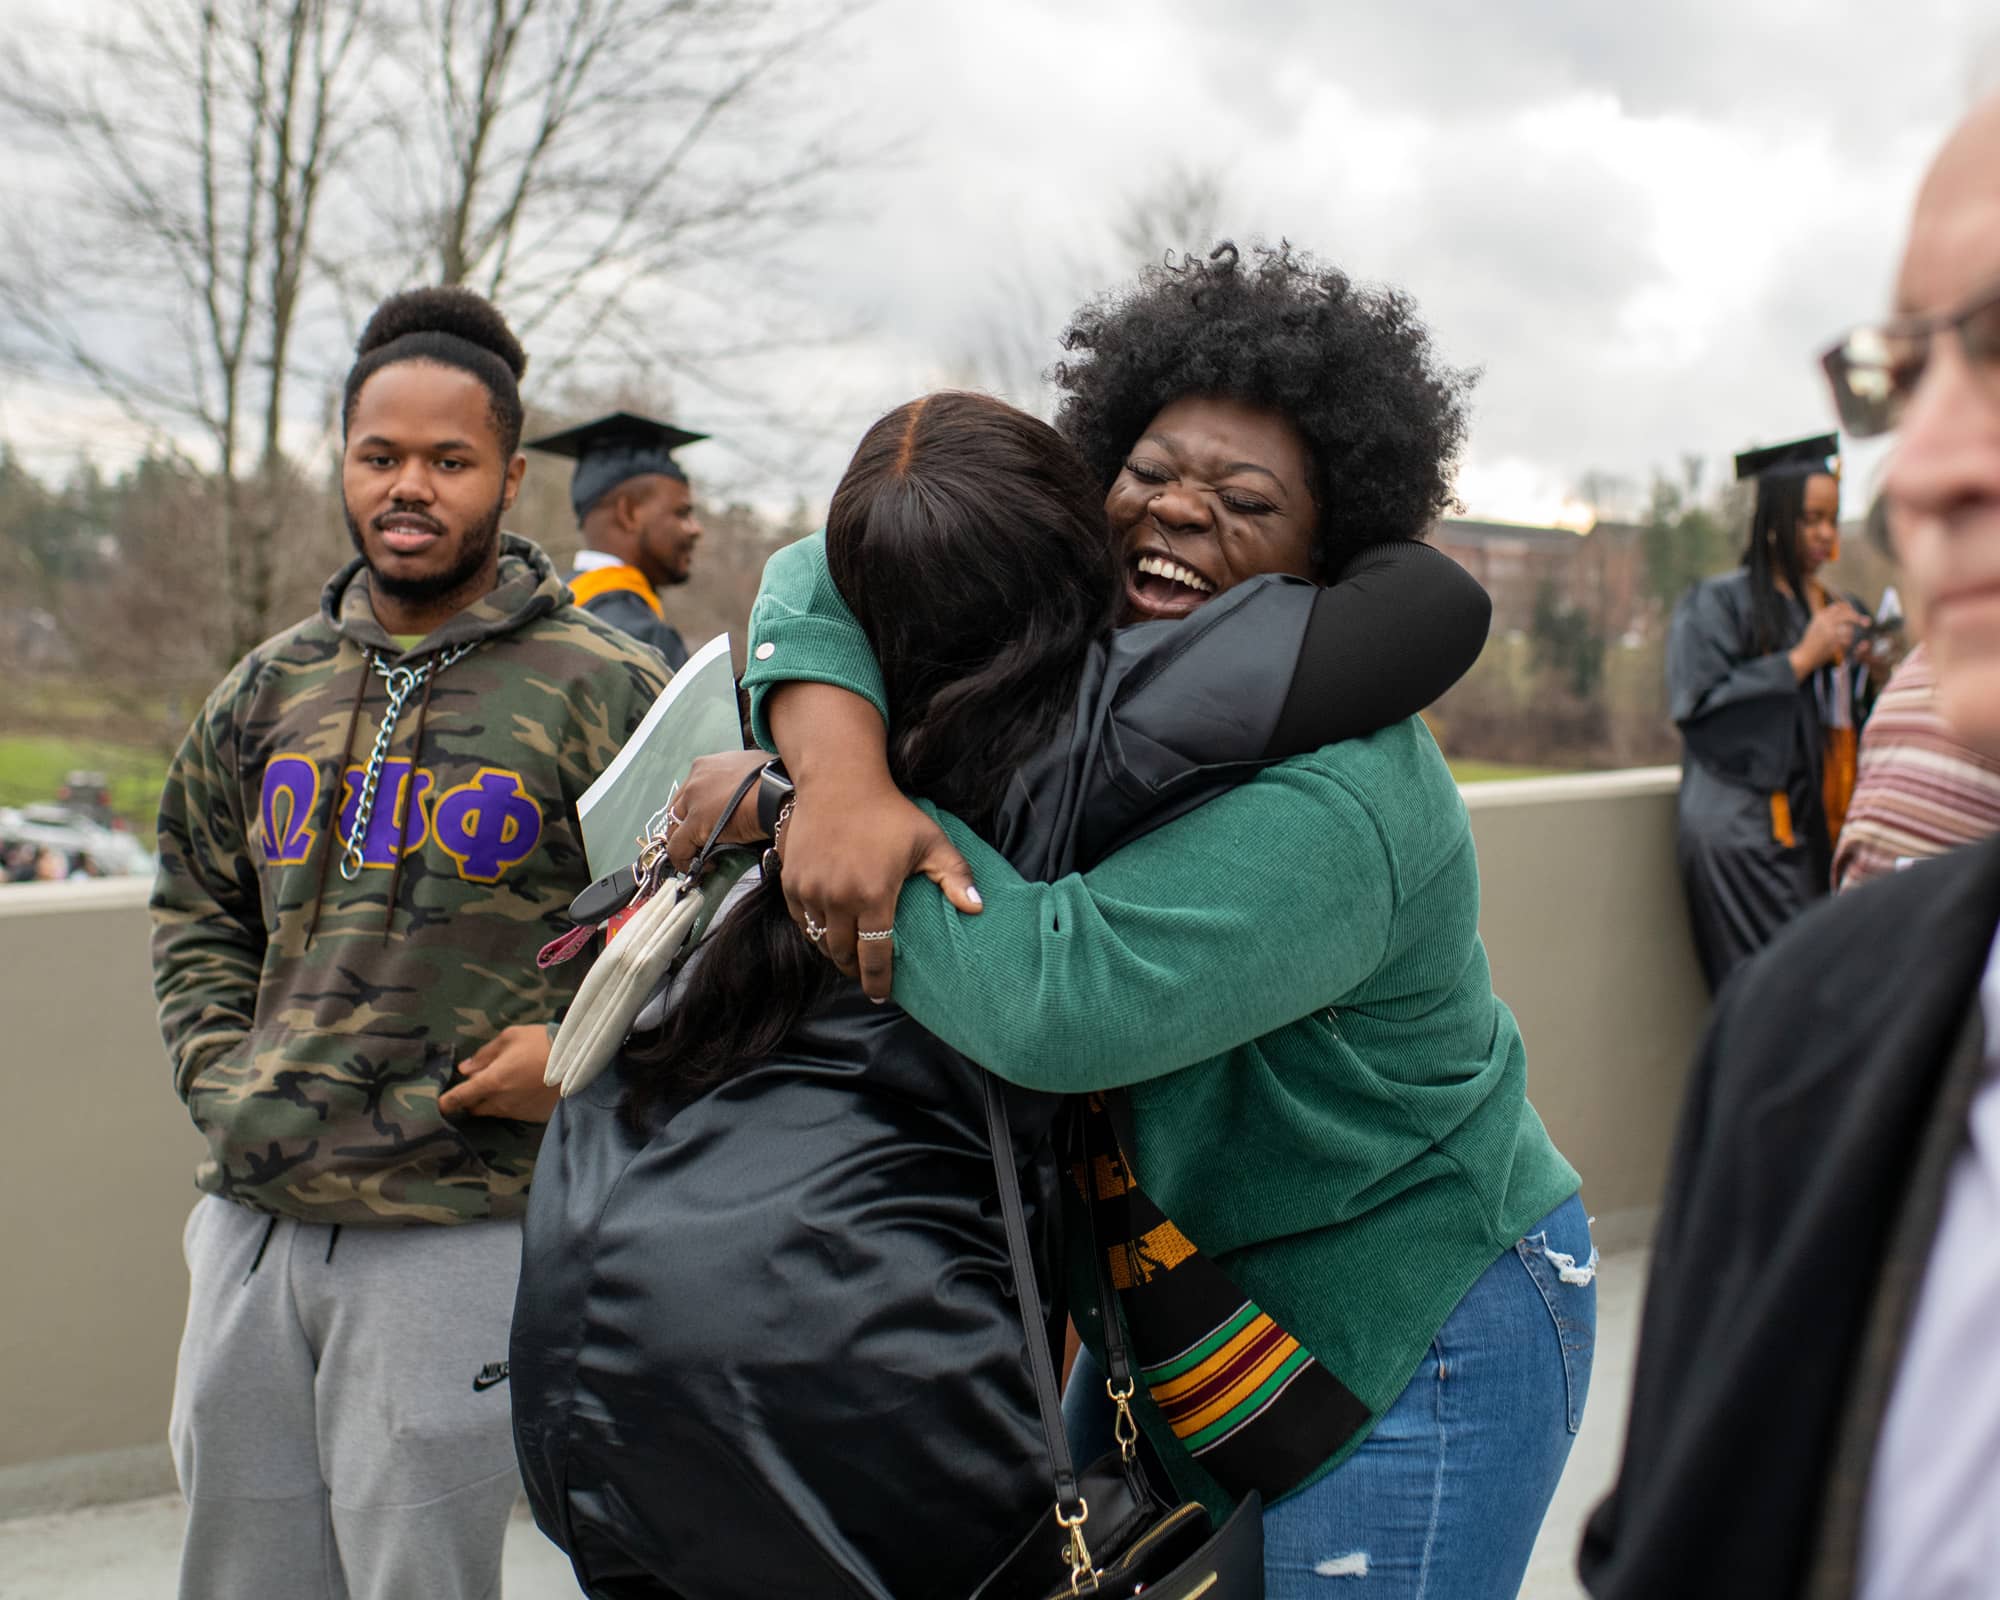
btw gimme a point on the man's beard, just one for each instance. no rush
(473, 554)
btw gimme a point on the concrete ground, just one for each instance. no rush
(130, 1552)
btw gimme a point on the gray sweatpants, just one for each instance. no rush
(336, 1429)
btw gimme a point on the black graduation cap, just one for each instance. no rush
(1807, 456)
(613, 449)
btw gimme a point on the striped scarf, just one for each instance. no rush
(1241, 1395)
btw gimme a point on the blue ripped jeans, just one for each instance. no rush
(1444, 1498)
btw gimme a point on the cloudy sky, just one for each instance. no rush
(1640, 221)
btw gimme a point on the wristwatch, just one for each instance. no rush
(774, 790)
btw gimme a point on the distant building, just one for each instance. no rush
(1601, 572)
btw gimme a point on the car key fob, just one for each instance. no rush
(605, 898)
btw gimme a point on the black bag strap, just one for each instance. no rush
(1117, 1354)
(1029, 1296)
(750, 780)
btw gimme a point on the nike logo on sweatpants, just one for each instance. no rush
(490, 1374)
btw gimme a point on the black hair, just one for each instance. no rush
(1772, 554)
(1351, 368)
(453, 327)
(968, 540)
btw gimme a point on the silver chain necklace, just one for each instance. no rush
(402, 682)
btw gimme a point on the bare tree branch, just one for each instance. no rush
(199, 159)
(597, 150)
(240, 179)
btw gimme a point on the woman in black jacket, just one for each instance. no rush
(766, 1342)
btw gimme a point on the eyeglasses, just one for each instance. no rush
(1875, 371)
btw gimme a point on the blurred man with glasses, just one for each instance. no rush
(1816, 1409)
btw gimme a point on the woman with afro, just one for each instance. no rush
(1355, 1271)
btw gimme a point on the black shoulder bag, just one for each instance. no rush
(1117, 1536)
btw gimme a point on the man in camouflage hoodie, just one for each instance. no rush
(366, 837)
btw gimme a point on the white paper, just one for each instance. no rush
(695, 715)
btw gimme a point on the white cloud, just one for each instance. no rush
(1640, 222)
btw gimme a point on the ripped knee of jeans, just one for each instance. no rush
(1564, 1263)
(1352, 1565)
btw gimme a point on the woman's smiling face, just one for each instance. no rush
(1213, 493)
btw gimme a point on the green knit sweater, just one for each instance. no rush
(1327, 1097)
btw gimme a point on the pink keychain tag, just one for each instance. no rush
(571, 944)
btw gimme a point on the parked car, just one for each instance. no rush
(88, 843)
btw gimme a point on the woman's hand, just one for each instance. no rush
(852, 838)
(851, 841)
(1826, 639)
(1882, 653)
(710, 783)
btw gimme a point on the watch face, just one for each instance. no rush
(773, 790)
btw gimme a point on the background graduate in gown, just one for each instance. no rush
(1769, 688)
(636, 511)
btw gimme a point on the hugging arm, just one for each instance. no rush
(1176, 948)
(1402, 624)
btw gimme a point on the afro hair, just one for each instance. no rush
(1352, 368)
(453, 327)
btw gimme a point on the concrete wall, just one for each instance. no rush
(97, 1180)
(1581, 913)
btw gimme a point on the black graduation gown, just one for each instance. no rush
(771, 1348)
(1819, 1082)
(1751, 730)
(627, 613)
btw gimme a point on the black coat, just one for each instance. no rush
(1751, 730)
(627, 613)
(1779, 1262)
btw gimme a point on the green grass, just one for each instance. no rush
(33, 766)
(1498, 771)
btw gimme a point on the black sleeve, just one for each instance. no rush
(1401, 624)
(631, 615)
(1170, 713)
(1737, 710)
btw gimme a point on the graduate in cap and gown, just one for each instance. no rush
(1769, 687)
(636, 511)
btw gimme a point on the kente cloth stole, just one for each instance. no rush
(587, 586)
(1243, 1397)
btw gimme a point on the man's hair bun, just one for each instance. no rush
(453, 327)
(456, 311)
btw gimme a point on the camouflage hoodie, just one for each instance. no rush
(313, 1021)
